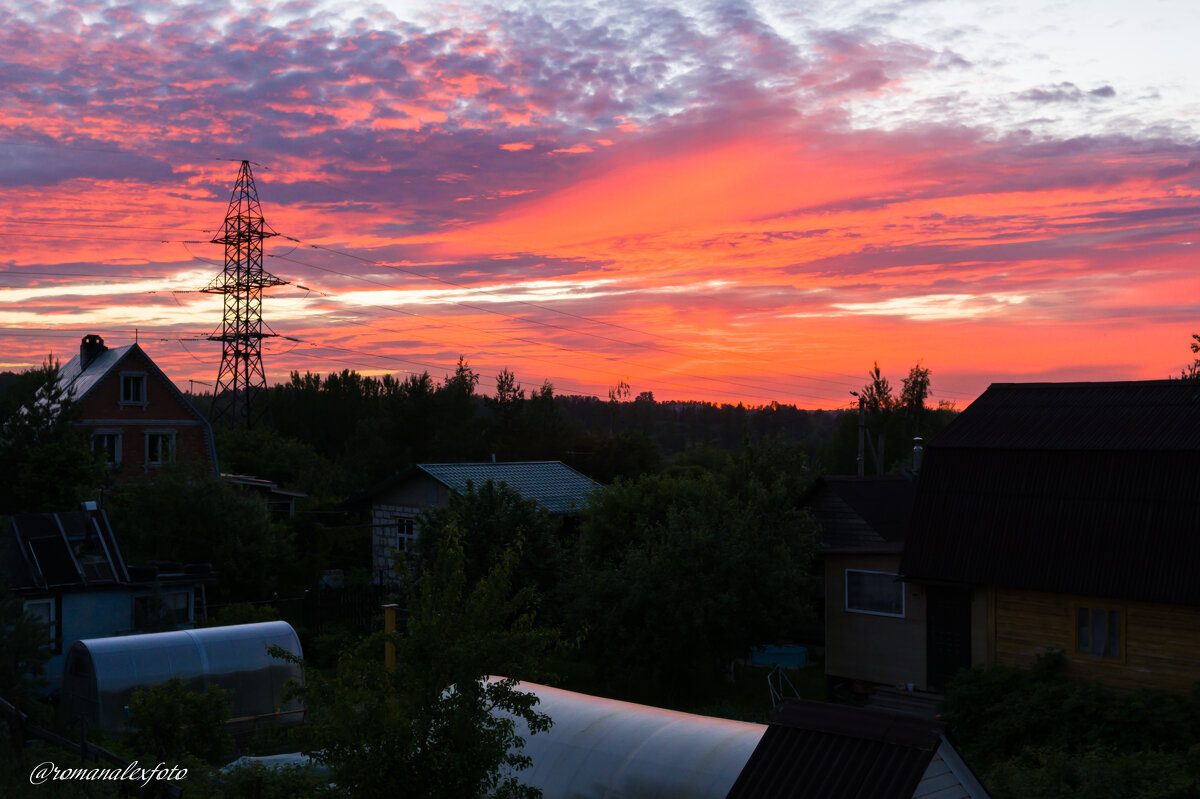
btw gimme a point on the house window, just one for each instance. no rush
(133, 389)
(107, 447)
(164, 611)
(1098, 632)
(43, 611)
(160, 448)
(881, 593)
(407, 531)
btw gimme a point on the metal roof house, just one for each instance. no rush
(69, 571)
(1065, 516)
(396, 503)
(138, 420)
(101, 674)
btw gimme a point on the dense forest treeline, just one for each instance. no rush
(337, 433)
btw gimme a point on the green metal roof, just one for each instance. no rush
(552, 484)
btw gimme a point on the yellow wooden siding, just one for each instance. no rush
(872, 648)
(1162, 642)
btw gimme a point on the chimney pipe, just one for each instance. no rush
(918, 453)
(90, 346)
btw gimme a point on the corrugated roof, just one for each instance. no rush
(552, 484)
(80, 382)
(1018, 492)
(1131, 415)
(862, 511)
(814, 750)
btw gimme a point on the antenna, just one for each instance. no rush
(241, 377)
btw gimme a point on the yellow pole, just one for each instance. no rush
(389, 626)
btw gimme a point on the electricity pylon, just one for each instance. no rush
(241, 378)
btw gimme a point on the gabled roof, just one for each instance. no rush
(818, 750)
(862, 512)
(1158, 415)
(552, 484)
(1077, 488)
(80, 382)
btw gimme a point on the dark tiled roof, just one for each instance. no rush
(1081, 488)
(552, 484)
(862, 511)
(1158, 415)
(817, 750)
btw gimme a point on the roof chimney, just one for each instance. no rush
(89, 347)
(918, 453)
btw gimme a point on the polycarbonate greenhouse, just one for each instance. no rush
(607, 748)
(100, 674)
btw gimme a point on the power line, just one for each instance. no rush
(68, 223)
(524, 320)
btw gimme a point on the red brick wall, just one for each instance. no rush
(164, 410)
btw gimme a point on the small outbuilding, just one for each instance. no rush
(100, 674)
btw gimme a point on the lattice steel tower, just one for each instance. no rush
(241, 378)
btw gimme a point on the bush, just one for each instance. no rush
(1037, 733)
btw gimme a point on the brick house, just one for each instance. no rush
(138, 420)
(397, 503)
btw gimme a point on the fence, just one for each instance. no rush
(23, 730)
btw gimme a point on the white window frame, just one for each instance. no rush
(141, 376)
(896, 579)
(118, 435)
(170, 434)
(53, 624)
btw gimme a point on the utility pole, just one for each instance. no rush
(862, 435)
(241, 377)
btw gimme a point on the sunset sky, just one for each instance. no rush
(733, 201)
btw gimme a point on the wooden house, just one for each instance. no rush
(139, 422)
(874, 621)
(1065, 516)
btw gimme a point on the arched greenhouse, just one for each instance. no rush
(100, 674)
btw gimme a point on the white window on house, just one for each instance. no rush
(106, 445)
(406, 530)
(133, 388)
(1098, 632)
(881, 593)
(43, 611)
(160, 448)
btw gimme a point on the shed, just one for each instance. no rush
(100, 674)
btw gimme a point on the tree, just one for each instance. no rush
(179, 721)
(24, 648)
(891, 422)
(434, 725)
(487, 521)
(46, 464)
(1192, 371)
(915, 389)
(678, 574)
(205, 521)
